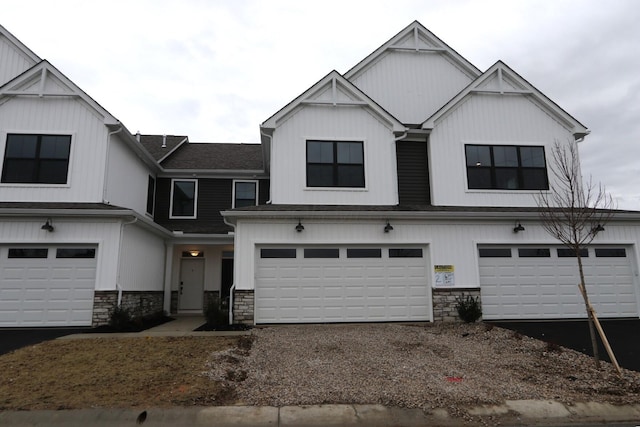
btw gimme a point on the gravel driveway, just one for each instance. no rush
(441, 365)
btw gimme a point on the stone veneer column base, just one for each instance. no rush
(444, 302)
(140, 303)
(243, 306)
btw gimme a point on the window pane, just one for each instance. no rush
(506, 178)
(55, 146)
(405, 253)
(364, 253)
(505, 156)
(611, 253)
(278, 253)
(534, 179)
(246, 190)
(350, 152)
(319, 152)
(19, 170)
(570, 253)
(532, 157)
(320, 175)
(534, 252)
(28, 252)
(21, 146)
(478, 155)
(494, 252)
(479, 178)
(53, 171)
(75, 253)
(184, 198)
(321, 253)
(350, 176)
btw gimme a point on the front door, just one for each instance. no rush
(191, 284)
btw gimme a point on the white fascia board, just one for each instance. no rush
(21, 46)
(212, 173)
(233, 216)
(189, 238)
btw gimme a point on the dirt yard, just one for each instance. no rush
(431, 366)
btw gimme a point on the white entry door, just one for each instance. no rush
(191, 284)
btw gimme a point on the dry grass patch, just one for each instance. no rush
(112, 372)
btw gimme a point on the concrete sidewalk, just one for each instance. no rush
(517, 412)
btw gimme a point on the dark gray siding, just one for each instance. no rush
(413, 173)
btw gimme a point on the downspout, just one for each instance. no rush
(268, 202)
(233, 285)
(106, 164)
(118, 287)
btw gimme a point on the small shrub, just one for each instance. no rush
(215, 314)
(468, 308)
(120, 319)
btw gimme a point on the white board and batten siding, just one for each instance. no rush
(411, 85)
(13, 61)
(142, 260)
(487, 120)
(326, 123)
(295, 285)
(540, 282)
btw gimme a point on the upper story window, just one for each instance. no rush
(245, 193)
(184, 198)
(335, 164)
(151, 194)
(506, 167)
(36, 159)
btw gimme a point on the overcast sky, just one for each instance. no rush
(215, 70)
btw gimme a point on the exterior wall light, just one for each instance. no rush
(518, 227)
(299, 227)
(194, 253)
(388, 227)
(47, 226)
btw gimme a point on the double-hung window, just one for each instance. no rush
(36, 159)
(335, 164)
(184, 193)
(245, 193)
(506, 167)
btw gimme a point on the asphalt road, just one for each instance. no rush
(623, 336)
(15, 338)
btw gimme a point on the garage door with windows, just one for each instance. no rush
(541, 282)
(47, 285)
(341, 284)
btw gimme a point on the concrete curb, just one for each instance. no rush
(524, 412)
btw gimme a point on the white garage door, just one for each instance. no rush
(47, 285)
(541, 282)
(341, 284)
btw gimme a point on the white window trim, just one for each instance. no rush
(233, 193)
(195, 199)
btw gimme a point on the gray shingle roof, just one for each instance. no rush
(215, 156)
(153, 144)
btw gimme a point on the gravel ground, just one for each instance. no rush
(417, 366)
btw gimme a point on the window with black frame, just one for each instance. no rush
(36, 159)
(335, 164)
(506, 167)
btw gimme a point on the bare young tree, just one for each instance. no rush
(574, 211)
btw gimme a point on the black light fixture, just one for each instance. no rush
(388, 227)
(47, 225)
(518, 227)
(598, 228)
(299, 227)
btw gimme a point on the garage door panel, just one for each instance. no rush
(345, 290)
(509, 287)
